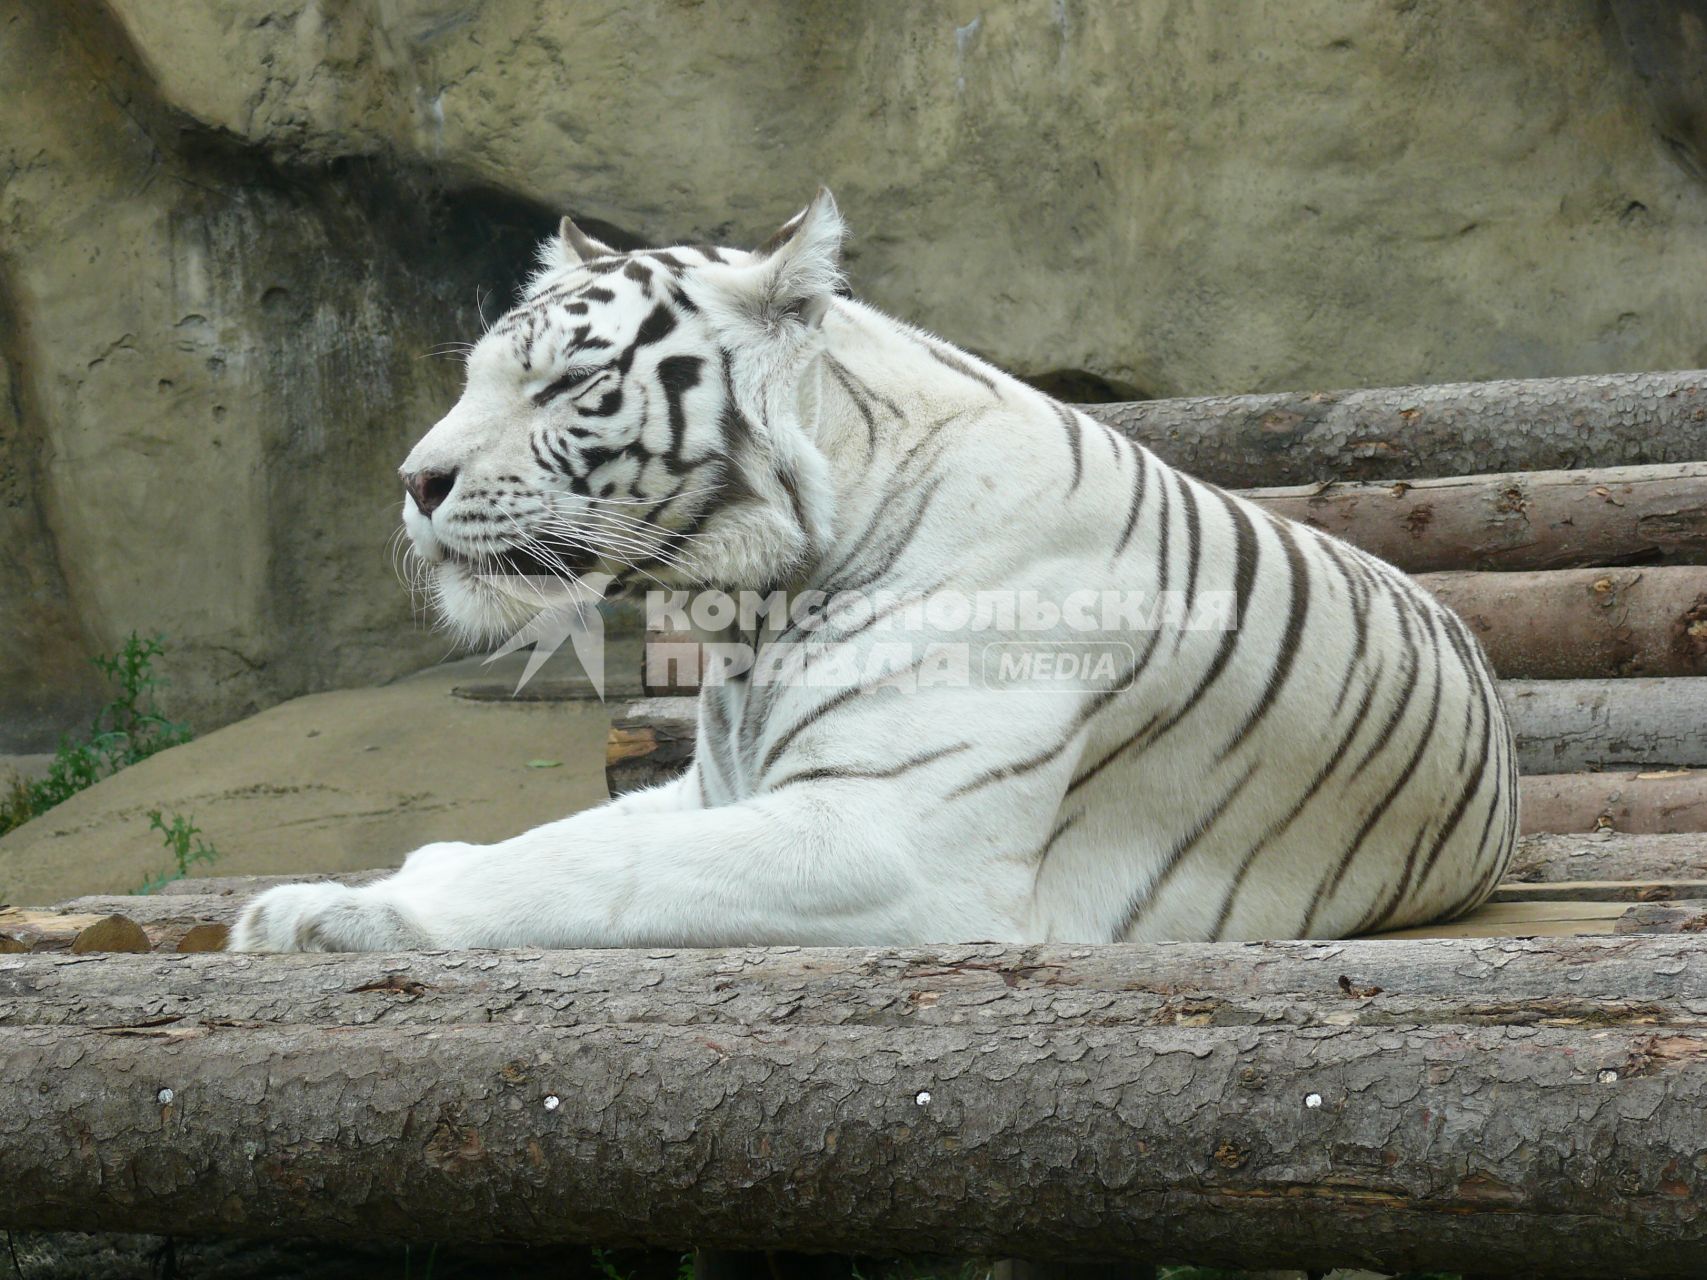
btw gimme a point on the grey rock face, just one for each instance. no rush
(230, 233)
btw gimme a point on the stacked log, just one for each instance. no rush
(1518, 521)
(1397, 1105)
(1406, 433)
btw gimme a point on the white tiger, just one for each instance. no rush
(1335, 762)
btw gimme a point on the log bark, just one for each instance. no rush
(1527, 520)
(1651, 802)
(651, 741)
(1370, 983)
(1030, 1128)
(110, 924)
(1567, 726)
(1665, 917)
(1584, 624)
(1405, 433)
(1558, 859)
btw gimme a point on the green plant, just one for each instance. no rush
(127, 729)
(606, 1266)
(182, 838)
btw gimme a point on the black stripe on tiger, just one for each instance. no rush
(888, 553)
(1282, 824)
(716, 734)
(1140, 476)
(1246, 556)
(1193, 553)
(1075, 443)
(844, 773)
(861, 406)
(678, 375)
(1412, 668)
(1499, 854)
(835, 702)
(1287, 656)
(1105, 697)
(1061, 829)
(1331, 883)
(960, 366)
(865, 389)
(1177, 855)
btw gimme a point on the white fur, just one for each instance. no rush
(727, 854)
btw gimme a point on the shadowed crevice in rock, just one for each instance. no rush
(1667, 42)
(228, 356)
(1081, 386)
(46, 683)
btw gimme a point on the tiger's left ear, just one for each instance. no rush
(798, 270)
(570, 247)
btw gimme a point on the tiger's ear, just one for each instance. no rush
(797, 271)
(571, 247)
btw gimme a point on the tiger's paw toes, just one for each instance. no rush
(324, 917)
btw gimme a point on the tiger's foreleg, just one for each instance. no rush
(806, 864)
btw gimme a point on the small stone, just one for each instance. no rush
(552, 1102)
(923, 1097)
(164, 1097)
(1312, 1100)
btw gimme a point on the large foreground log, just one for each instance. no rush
(1363, 982)
(969, 1100)
(1402, 433)
(1526, 520)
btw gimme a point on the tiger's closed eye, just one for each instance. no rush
(567, 382)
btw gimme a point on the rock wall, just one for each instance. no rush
(231, 234)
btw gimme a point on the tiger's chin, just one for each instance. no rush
(485, 607)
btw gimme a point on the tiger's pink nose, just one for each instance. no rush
(429, 488)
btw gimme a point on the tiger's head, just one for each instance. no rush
(637, 415)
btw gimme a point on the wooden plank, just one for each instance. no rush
(1540, 857)
(121, 923)
(1601, 891)
(1545, 920)
(77, 932)
(220, 886)
(651, 741)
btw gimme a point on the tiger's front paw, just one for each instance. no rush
(325, 917)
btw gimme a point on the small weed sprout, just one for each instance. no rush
(183, 842)
(127, 729)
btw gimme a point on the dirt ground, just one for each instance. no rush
(335, 782)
